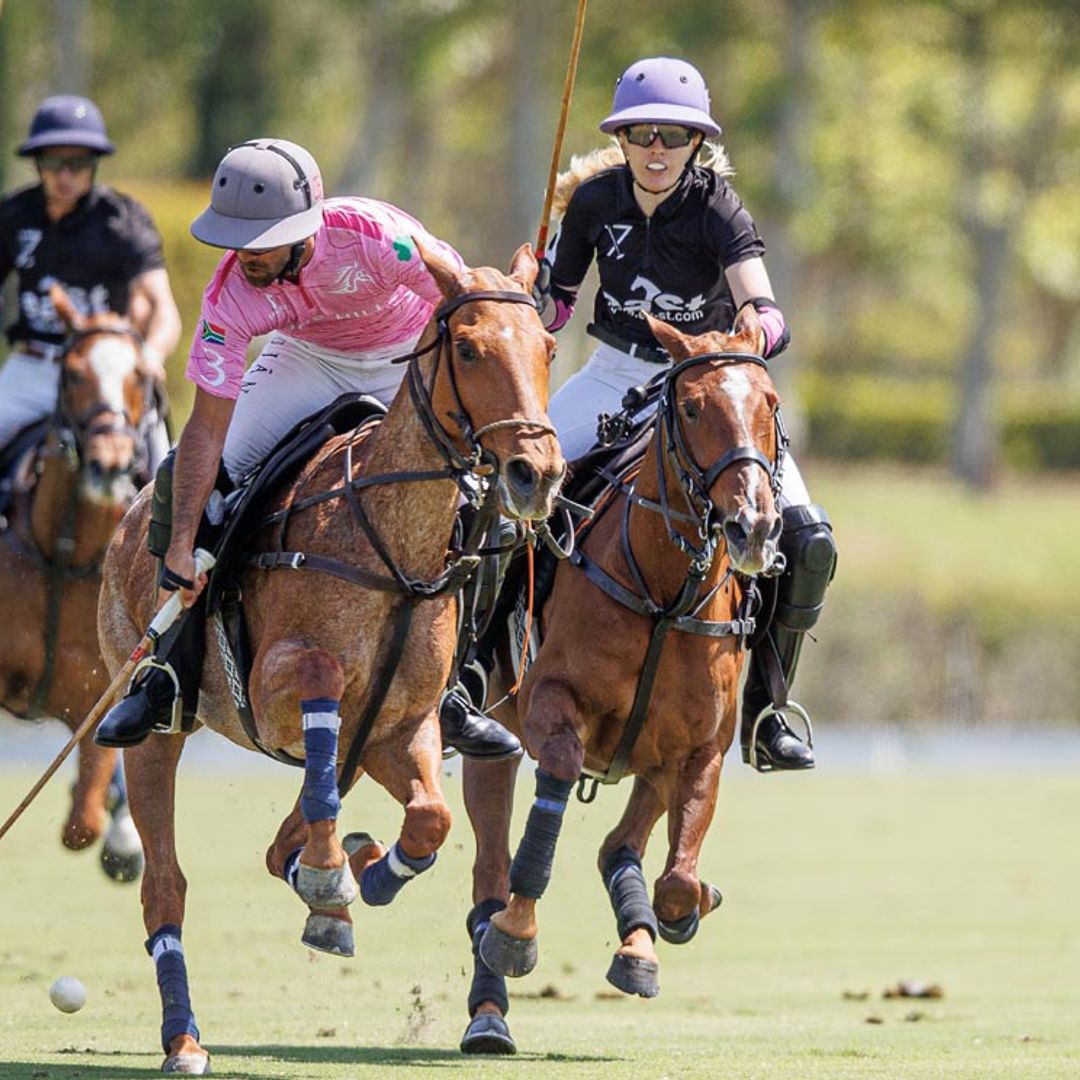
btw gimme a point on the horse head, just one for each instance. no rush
(489, 392)
(101, 400)
(723, 445)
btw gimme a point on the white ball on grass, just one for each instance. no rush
(68, 994)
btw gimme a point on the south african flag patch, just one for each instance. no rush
(215, 335)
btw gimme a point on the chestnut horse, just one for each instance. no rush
(643, 640)
(70, 492)
(369, 621)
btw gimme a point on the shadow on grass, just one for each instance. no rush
(430, 1056)
(89, 1064)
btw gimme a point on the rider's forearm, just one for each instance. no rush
(197, 457)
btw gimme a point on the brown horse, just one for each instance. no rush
(71, 489)
(372, 621)
(642, 645)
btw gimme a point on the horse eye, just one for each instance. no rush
(690, 411)
(466, 352)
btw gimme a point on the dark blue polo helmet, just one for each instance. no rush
(67, 120)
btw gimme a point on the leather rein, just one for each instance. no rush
(470, 469)
(681, 613)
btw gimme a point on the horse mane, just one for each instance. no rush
(711, 156)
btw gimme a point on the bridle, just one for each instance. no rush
(696, 482)
(475, 454)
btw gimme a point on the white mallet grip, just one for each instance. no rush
(169, 612)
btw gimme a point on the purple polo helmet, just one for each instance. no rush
(661, 90)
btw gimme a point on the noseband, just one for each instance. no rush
(421, 395)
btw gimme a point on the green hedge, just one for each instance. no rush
(871, 418)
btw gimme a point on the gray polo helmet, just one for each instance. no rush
(661, 90)
(266, 193)
(66, 120)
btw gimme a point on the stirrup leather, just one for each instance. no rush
(793, 708)
(175, 726)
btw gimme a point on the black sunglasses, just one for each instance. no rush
(672, 136)
(74, 163)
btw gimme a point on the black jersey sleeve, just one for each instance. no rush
(573, 244)
(7, 241)
(733, 230)
(141, 240)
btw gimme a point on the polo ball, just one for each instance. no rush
(68, 994)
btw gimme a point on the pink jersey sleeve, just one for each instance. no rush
(219, 345)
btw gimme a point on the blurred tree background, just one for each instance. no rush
(914, 166)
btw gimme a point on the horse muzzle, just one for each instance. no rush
(752, 539)
(527, 488)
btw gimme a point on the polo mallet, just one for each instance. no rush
(167, 614)
(568, 90)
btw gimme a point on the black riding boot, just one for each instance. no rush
(160, 699)
(465, 727)
(807, 544)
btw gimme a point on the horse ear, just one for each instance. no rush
(673, 340)
(748, 325)
(447, 276)
(63, 306)
(524, 267)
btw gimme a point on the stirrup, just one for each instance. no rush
(175, 726)
(791, 708)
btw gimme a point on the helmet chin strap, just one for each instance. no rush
(296, 253)
(678, 180)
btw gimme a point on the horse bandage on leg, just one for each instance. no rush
(625, 884)
(320, 800)
(487, 985)
(168, 955)
(531, 869)
(383, 880)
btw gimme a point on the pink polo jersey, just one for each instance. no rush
(365, 288)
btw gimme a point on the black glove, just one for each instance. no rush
(541, 290)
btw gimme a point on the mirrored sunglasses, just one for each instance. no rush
(672, 136)
(74, 163)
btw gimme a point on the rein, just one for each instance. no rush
(470, 470)
(680, 614)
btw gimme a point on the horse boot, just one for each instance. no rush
(767, 741)
(164, 695)
(465, 726)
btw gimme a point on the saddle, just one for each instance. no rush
(229, 539)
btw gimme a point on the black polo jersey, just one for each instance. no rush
(670, 265)
(94, 252)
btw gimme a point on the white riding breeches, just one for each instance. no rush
(292, 379)
(599, 387)
(29, 386)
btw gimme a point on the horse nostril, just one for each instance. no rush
(521, 475)
(734, 533)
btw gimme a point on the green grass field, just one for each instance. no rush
(836, 886)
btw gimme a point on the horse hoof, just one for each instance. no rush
(507, 955)
(121, 852)
(329, 935)
(354, 841)
(487, 1034)
(716, 897)
(327, 888)
(680, 931)
(188, 1064)
(632, 975)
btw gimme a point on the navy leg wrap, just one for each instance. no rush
(383, 880)
(531, 869)
(486, 984)
(625, 884)
(319, 800)
(116, 796)
(177, 1018)
(292, 867)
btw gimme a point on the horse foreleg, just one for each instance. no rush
(635, 967)
(680, 898)
(151, 779)
(408, 767)
(319, 869)
(488, 788)
(87, 818)
(509, 944)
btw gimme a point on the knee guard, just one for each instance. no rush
(159, 531)
(808, 546)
